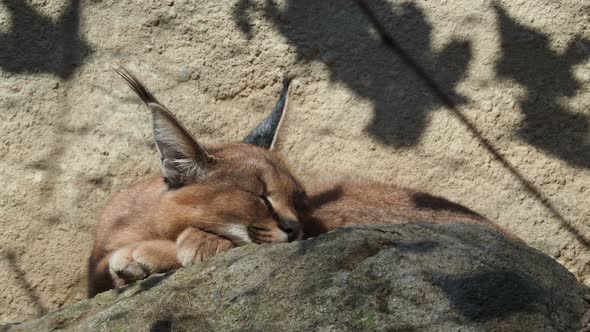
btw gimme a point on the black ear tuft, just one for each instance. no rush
(265, 134)
(183, 159)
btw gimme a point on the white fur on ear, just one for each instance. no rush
(266, 133)
(281, 120)
(183, 159)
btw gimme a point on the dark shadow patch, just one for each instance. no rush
(323, 198)
(37, 44)
(240, 17)
(491, 295)
(311, 225)
(162, 325)
(430, 202)
(527, 58)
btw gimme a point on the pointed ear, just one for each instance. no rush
(183, 159)
(266, 133)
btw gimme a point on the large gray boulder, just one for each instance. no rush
(413, 277)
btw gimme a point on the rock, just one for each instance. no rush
(413, 277)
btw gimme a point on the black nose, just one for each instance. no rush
(291, 227)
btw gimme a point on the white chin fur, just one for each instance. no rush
(238, 233)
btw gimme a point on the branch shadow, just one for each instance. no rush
(380, 58)
(528, 59)
(339, 35)
(36, 44)
(312, 227)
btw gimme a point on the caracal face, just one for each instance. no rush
(249, 196)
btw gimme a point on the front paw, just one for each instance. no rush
(194, 246)
(139, 260)
(124, 269)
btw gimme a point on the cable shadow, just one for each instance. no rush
(452, 107)
(25, 284)
(528, 59)
(36, 44)
(337, 34)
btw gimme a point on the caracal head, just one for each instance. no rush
(242, 191)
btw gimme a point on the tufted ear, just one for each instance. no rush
(183, 159)
(266, 133)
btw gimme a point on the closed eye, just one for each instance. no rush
(266, 201)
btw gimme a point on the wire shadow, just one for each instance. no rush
(528, 59)
(25, 284)
(36, 44)
(337, 34)
(452, 107)
(380, 55)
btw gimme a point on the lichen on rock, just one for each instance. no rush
(410, 277)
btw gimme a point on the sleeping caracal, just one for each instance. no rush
(208, 200)
(146, 219)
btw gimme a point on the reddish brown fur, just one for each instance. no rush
(331, 203)
(230, 195)
(208, 200)
(341, 201)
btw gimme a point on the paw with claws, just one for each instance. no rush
(138, 260)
